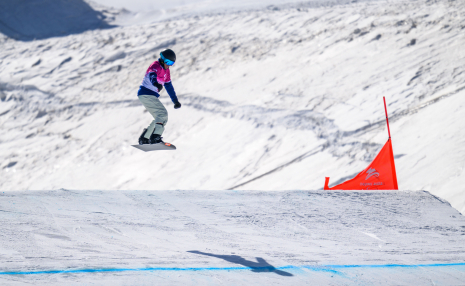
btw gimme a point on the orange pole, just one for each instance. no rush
(387, 119)
(393, 166)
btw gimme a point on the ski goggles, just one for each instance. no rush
(166, 61)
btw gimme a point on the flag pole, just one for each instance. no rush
(387, 119)
(393, 165)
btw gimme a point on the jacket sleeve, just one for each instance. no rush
(153, 80)
(170, 89)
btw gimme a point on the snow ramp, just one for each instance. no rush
(230, 238)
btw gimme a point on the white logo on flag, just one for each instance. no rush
(372, 172)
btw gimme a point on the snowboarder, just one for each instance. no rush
(157, 76)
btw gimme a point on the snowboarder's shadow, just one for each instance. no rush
(260, 266)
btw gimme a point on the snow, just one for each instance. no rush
(295, 93)
(31, 19)
(230, 237)
(149, 11)
(275, 97)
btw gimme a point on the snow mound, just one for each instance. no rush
(243, 237)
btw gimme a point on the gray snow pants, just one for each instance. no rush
(159, 113)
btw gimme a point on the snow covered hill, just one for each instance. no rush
(39, 19)
(229, 238)
(273, 99)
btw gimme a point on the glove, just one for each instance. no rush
(177, 105)
(153, 80)
(158, 86)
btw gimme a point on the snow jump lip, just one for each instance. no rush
(324, 268)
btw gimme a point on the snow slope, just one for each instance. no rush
(39, 19)
(149, 11)
(229, 238)
(273, 99)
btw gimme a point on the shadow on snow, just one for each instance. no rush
(260, 266)
(28, 20)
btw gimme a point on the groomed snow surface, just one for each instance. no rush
(230, 238)
(275, 98)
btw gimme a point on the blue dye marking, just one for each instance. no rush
(396, 265)
(323, 268)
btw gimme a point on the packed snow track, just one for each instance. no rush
(230, 238)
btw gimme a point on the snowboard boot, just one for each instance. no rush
(142, 139)
(155, 139)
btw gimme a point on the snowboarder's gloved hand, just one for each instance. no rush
(153, 80)
(177, 105)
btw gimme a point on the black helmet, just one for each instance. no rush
(168, 57)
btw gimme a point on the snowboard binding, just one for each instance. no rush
(155, 139)
(142, 139)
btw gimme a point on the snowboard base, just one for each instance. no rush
(154, 147)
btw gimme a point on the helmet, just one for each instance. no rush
(168, 57)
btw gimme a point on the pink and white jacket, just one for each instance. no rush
(155, 78)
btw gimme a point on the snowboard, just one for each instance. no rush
(155, 147)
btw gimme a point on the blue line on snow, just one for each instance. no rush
(327, 268)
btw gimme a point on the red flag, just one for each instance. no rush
(379, 175)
